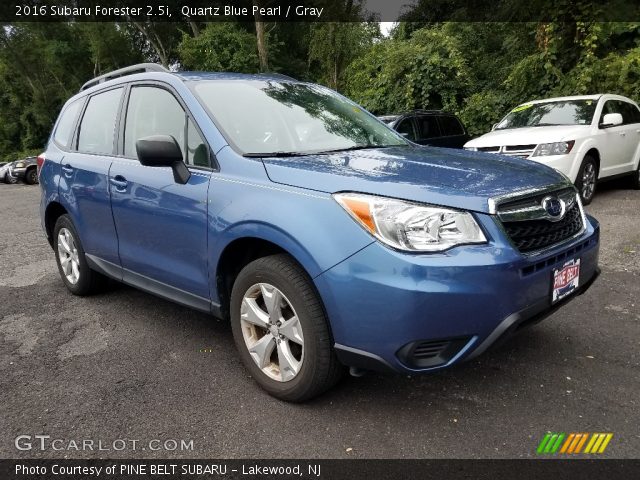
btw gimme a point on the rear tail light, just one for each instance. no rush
(40, 161)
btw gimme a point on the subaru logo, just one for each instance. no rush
(554, 207)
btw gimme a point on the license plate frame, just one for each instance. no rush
(565, 280)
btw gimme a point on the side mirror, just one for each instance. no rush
(611, 120)
(163, 151)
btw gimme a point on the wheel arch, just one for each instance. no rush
(595, 153)
(241, 250)
(53, 211)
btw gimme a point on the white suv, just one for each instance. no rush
(587, 138)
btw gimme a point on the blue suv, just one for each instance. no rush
(326, 238)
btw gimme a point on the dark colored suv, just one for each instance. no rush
(429, 127)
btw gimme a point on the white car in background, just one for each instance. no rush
(588, 138)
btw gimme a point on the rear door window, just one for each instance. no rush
(99, 122)
(428, 127)
(450, 126)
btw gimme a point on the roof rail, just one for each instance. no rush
(139, 68)
(280, 75)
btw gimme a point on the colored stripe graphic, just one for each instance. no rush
(543, 443)
(573, 443)
(598, 442)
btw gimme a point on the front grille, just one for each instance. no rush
(523, 151)
(531, 235)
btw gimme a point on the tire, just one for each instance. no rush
(634, 180)
(587, 179)
(304, 345)
(10, 180)
(87, 281)
(31, 176)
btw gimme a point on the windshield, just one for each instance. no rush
(273, 117)
(569, 112)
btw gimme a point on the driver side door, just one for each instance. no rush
(161, 224)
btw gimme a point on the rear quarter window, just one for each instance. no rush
(64, 130)
(450, 126)
(98, 124)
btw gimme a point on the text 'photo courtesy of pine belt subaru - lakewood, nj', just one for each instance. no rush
(326, 238)
(587, 138)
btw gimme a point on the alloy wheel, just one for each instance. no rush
(68, 256)
(272, 332)
(588, 181)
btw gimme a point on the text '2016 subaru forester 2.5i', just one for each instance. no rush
(325, 237)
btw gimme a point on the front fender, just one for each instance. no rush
(310, 226)
(585, 146)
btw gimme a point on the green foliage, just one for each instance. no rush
(220, 47)
(426, 71)
(481, 110)
(477, 70)
(335, 45)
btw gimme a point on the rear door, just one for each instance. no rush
(83, 185)
(428, 130)
(453, 133)
(161, 224)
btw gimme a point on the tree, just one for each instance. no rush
(220, 47)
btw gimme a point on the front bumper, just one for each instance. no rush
(17, 172)
(385, 307)
(566, 164)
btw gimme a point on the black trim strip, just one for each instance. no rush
(152, 286)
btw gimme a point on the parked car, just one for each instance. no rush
(429, 127)
(588, 138)
(25, 170)
(326, 238)
(4, 173)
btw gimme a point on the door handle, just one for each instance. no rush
(67, 169)
(623, 134)
(119, 182)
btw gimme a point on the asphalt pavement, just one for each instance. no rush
(125, 366)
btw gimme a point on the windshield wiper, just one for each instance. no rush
(273, 154)
(357, 147)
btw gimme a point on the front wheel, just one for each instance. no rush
(281, 330)
(634, 180)
(586, 179)
(31, 177)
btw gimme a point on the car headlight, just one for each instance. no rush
(555, 148)
(411, 226)
(471, 149)
(19, 165)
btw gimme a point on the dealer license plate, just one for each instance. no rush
(565, 280)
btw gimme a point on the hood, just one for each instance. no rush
(440, 176)
(529, 136)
